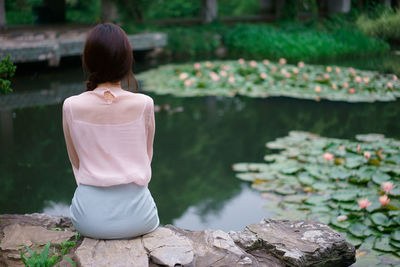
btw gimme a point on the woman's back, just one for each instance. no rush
(112, 138)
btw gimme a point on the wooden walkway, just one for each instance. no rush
(52, 44)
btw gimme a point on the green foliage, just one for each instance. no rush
(266, 41)
(266, 79)
(7, 70)
(173, 9)
(40, 258)
(325, 184)
(386, 26)
(87, 11)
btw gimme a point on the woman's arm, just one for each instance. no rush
(66, 119)
(150, 128)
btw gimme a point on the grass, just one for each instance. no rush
(386, 26)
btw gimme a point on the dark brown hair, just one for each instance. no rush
(107, 56)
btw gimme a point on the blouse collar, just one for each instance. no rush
(109, 93)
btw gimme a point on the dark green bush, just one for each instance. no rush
(7, 70)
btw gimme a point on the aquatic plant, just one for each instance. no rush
(7, 70)
(266, 79)
(351, 185)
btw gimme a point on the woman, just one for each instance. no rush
(109, 136)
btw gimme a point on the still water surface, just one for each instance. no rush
(193, 183)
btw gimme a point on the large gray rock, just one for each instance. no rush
(274, 243)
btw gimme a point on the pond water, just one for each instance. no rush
(193, 183)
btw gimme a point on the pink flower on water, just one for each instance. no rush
(384, 200)
(282, 61)
(305, 76)
(327, 76)
(263, 75)
(357, 79)
(341, 147)
(390, 85)
(214, 76)
(209, 64)
(199, 74)
(317, 89)
(266, 62)
(301, 64)
(329, 69)
(345, 85)
(183, 75)
(395, 78)
(295, 70)
(274, 69)
(358, 148)
(367, 154)
(352, 90)
(328, 156)
(334, 86)
(225, 67)
(189, 82)
(366, 79)
(387, 186)
(283, 71)
(253, 63)
(231, 79)
(196, 66)
(337, 70)
(241, 61)
(364, 203)
(288, 75)
(342, 218)
(223, 73)
(352, 70)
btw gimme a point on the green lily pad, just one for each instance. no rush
(295, 198)
(306, 179)
(395, 243)
(345, 195)
(395, 192)
(339, 174)
(396, 235)
(380, 219)
(342, 224)
(383, 244)
(380, 177)
(286, 190)
(354, 240)
(316, 199)
(359, 230)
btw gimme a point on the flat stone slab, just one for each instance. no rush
(274, 243)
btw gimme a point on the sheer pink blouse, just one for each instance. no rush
(109, 141)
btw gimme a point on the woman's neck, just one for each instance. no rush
(110, 85)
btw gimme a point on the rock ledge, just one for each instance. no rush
(268, 243)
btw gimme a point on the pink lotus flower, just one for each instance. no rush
(301, 64)
(317, 89)
(317, 99)
(352, 90)
(337, 70)
(367, 154)
(295, 70)
(342, 218)
(253, 64)
(209, 64)
(196, 66)
(266, 62)
(395, 78)
(328, 156)
(189, 82)
(263, 75)
(241, 61)
(274, 69)
(327, 76)
(305, 76)
(199, 74)
(183, 75)
(345, 85)
(288, 75)
(282, 61)
(387, 186)
(357, 79)
(214, 76)
(231, 79)
(329, 69)
(390, 85)
(334, 86)
(283, 71)
(366, 79)
(225, 67)
(352, 70)
(341, 147)
(358, 148)
(384, 200)
(364, 203)
(223, 73)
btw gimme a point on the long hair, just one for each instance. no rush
(107, 56)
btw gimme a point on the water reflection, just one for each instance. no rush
(193, 184)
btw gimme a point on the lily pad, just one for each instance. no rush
(345, 195)
(380, 219)
(383, 244)
(359, 230)
(396, 235)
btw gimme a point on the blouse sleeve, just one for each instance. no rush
(66, 118)
(150, 128)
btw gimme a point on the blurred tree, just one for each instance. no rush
(209, 10)
(2, 14)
